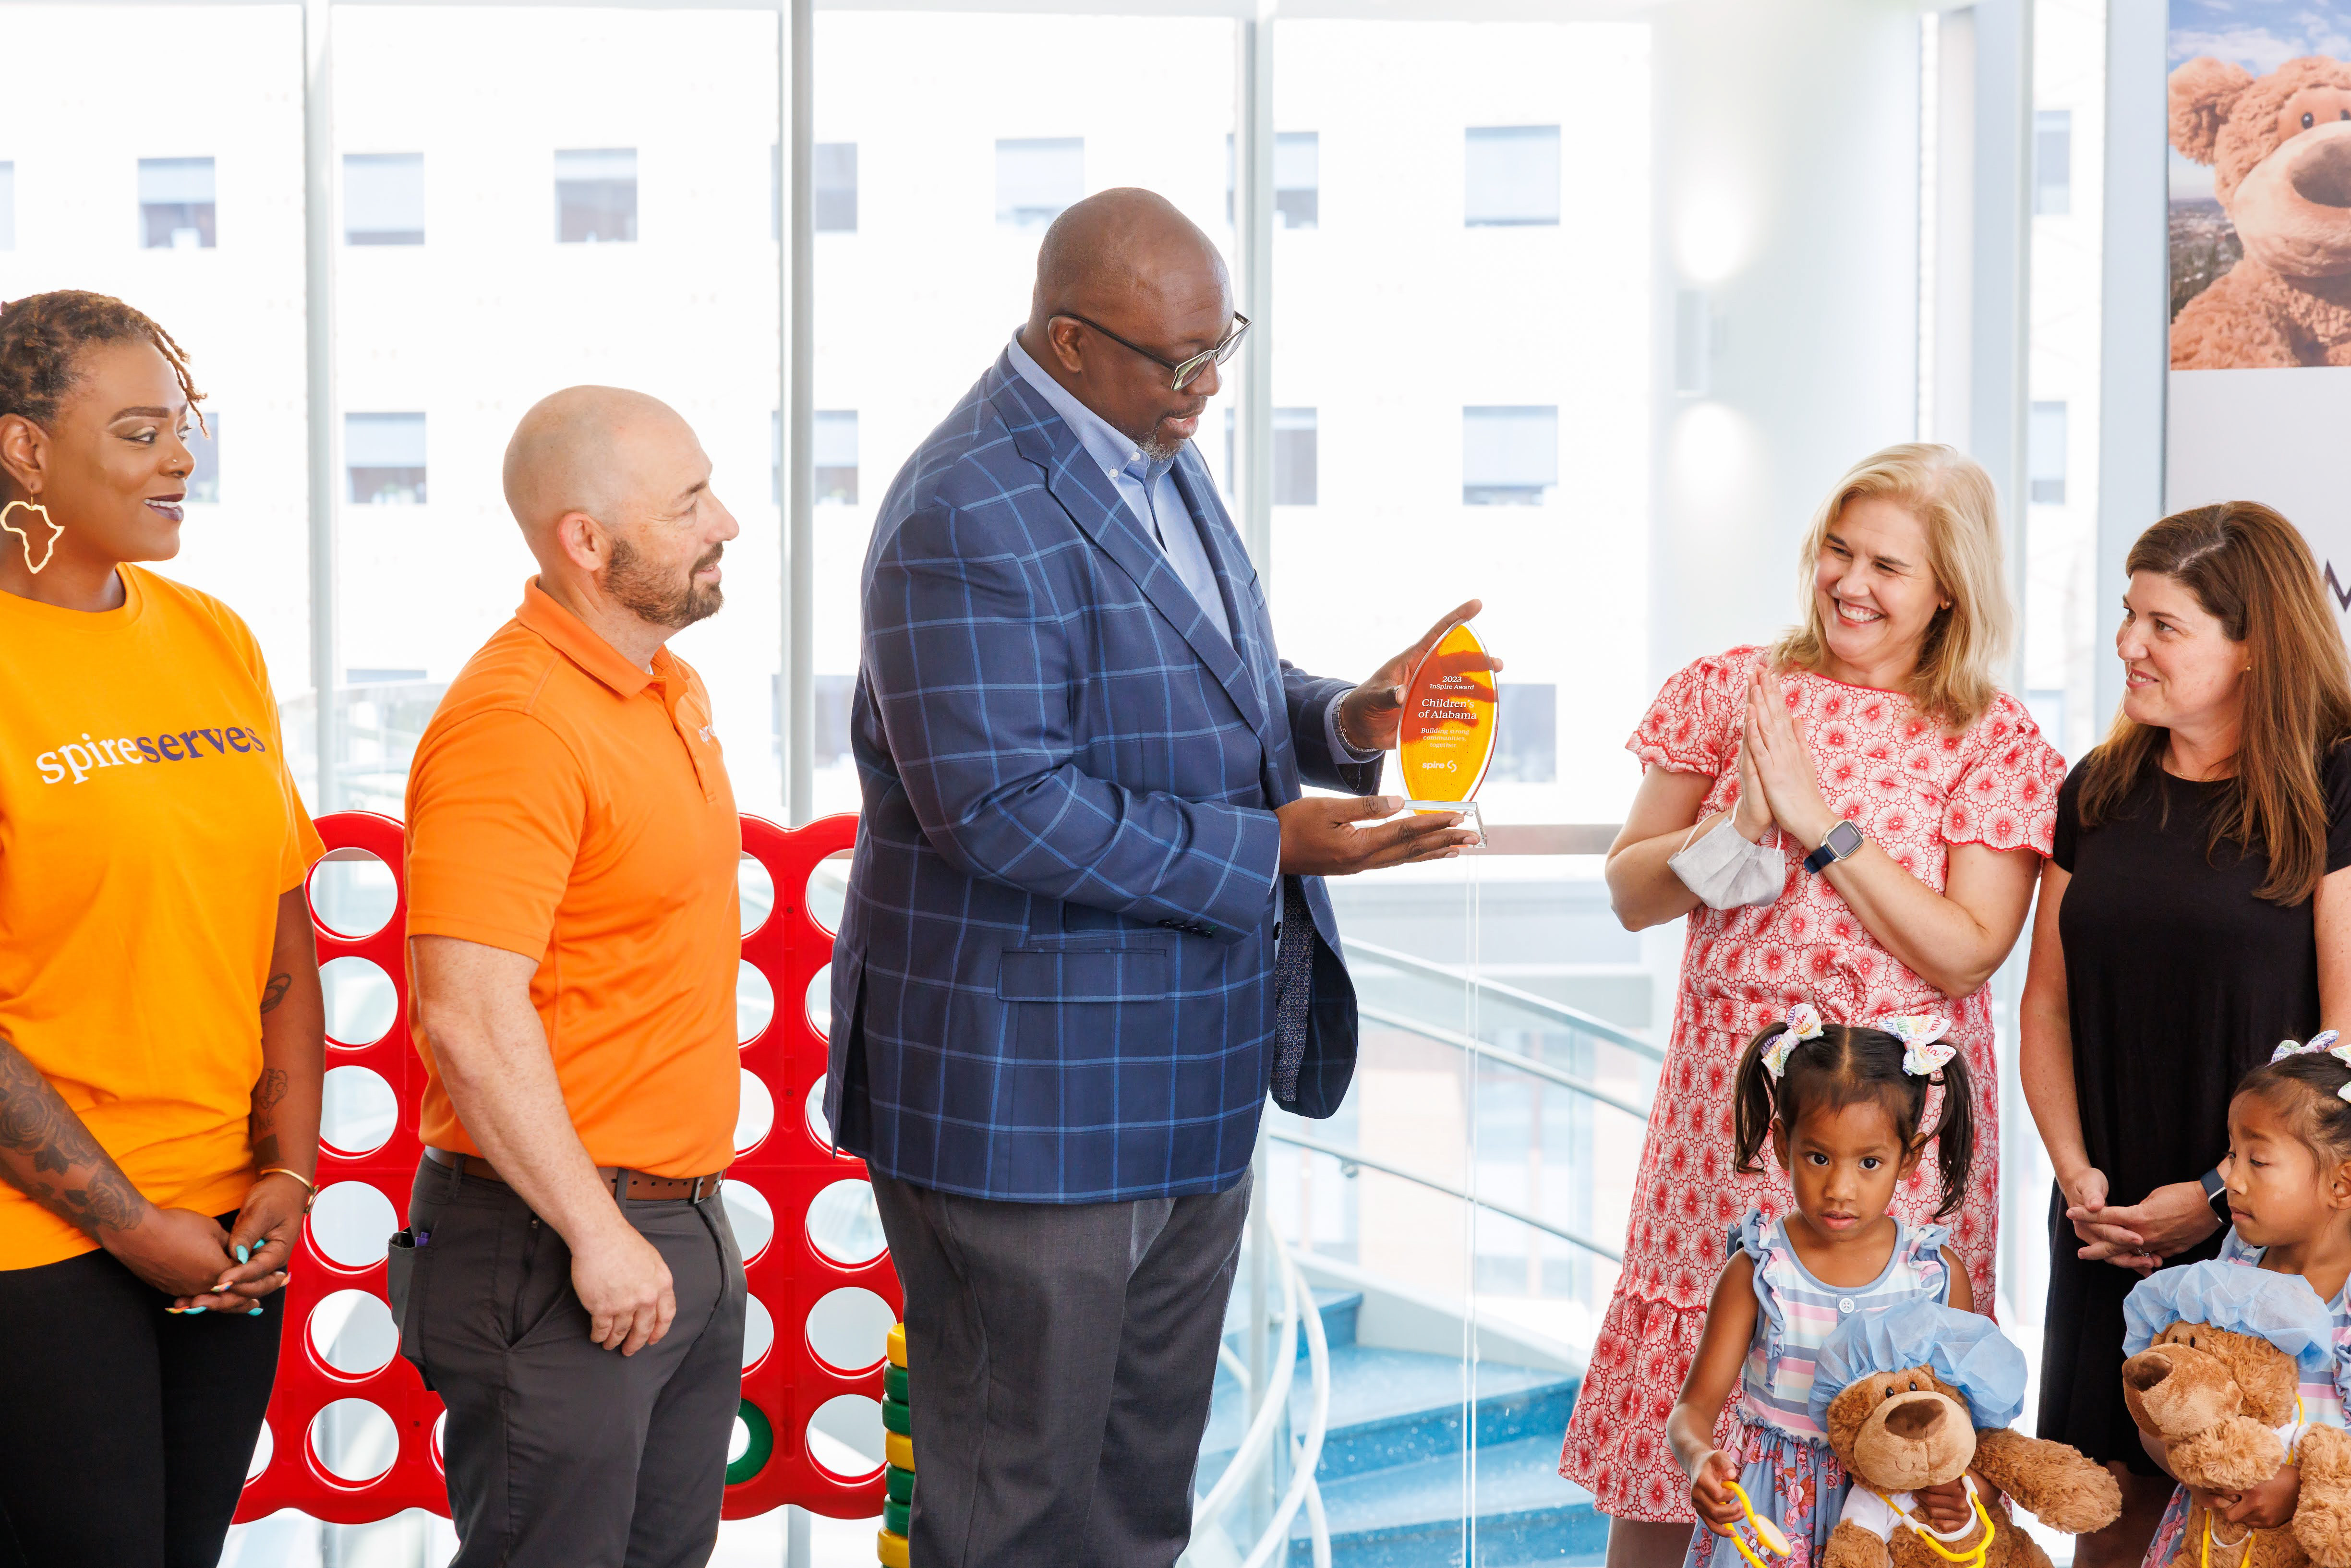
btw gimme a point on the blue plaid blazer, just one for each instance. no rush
(1054, 978)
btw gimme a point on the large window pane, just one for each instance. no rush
(1036, 177)
(509, 109)
(384, 198)
(596, 195)
(834, 175)
(1509, 456)
(1512, 175)
(176, 204)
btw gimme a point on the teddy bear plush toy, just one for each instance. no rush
(1919, 1394)
(2219, 1353)
(2280, 147)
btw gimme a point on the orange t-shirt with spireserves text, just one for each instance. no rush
(565, 805)
(147, 827)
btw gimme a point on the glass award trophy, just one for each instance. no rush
(1445, 741)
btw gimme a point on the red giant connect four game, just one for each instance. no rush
(789, 1167)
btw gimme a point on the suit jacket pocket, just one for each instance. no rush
(1083, 975)
(1093, 1044)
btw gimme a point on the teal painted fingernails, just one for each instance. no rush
(253, 1313)
(191, 1311)
(244, 1254)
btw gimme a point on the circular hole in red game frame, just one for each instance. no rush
(353, 1334)
(440, 1460)
(818, 1002)
(358, 1113)
(755, 1002)
(755, 889)
(755, 1117)
(352, 1224)
(759, 1332)
(843, 1224)
(828, 892)
(361, 1002)
(849, 1329)
(264, 1445)
(354, 1441)
(819, 1128)
(751, 1216)
(353, 893)
(847, 1430)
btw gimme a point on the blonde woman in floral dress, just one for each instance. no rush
(1879, 711)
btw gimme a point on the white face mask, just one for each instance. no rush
(1725, 872)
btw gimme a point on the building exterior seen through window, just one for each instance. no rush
(1297, 180)
(385, 455)
(1294, 457)
(1036, 177)
(2045, 452)
(835, 452)
(1526, 733)
(203, 445)
(2053, 162)
(384, 198)
(1510, 456)
(175, 205)
(8, 205)
(1511, 177)
(834, 179)
(596, 196)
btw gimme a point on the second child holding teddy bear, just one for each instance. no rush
(1843, 1108)
(2289, 1184)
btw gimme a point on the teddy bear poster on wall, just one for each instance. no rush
(2262, 271)
(1921, 1394)
(2219, 1353)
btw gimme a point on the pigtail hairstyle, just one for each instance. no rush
(1844, 1064)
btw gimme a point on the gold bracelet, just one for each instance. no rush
(308, 1186)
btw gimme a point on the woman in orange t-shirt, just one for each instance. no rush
(161, 1038)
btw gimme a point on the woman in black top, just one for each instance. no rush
(2195, 911)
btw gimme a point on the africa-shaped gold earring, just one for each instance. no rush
(48, 544)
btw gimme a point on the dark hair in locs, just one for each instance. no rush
(1846, 1064)
(2305, 1087)
(42, 339)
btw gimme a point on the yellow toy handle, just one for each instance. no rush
(1767, 1532)
(1975, 1555)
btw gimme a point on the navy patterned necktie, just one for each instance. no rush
(1293, 988)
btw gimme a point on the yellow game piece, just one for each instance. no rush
(899, 1449)
(894, 1551)
(897, 1345)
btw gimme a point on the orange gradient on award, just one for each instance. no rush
(1445, 739)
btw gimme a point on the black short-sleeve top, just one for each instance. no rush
(2178, 979)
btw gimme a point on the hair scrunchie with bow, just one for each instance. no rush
(2327, 1040)
(1803, 1022)
(1924, 1049)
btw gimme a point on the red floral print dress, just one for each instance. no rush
(1915, 791)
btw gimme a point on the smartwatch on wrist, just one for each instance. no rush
(1843, 842)
(2216, 1193)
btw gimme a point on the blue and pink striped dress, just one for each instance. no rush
(1783, 1456)
(2322, 1402)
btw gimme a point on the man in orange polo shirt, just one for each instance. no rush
(568, 1281)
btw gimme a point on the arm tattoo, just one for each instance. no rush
(275, 991)
(39, 1133)
(271, 1089)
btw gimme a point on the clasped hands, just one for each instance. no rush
(1777, 784)
(2138, 1236)
(189, 1258)
(1326, 835)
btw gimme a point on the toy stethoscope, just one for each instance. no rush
(2293, 1457)
(1766, 1532)
(1973, 1557)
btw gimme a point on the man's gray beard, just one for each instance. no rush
(1157, 448)
(634, 585)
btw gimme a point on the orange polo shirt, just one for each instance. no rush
(565, 805)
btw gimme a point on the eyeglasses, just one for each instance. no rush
(1185, 371)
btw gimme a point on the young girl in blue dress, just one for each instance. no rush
(1843, 1109)
(2289, 1182)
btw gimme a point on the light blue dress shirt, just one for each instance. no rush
(1149, 491)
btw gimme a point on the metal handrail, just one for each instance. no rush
(1299, 1312)
(1574, 1018)
(1507, 1058)
(1509, 1211)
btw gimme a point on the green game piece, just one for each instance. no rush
(896, 1517)
(897, 1418)
(901, 1485)
(893, 1383)
(763, 1443)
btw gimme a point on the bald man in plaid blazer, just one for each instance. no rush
(1059, 999)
